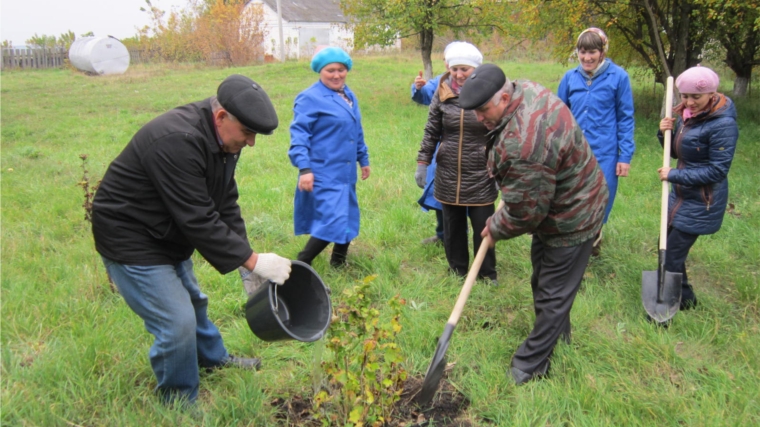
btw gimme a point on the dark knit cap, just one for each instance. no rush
(247, 101)
(481, 86)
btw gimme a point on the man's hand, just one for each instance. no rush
(365, 172)
(419, 81)
(251, 282)
(306, 182)
(420, 176)
(486, 235)
(273, 267)
(622, 169)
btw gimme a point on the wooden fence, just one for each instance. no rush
(34, 58)
(48, 58)
(58, 57)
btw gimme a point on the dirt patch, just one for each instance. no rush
(294, 411)
(445, 410)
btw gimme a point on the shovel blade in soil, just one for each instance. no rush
(435, 370)
(661, 309)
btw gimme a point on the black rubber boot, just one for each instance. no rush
(688, 299)
(339, 254)
(313, 248)
(522, 377)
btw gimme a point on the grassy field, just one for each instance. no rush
(74, 354)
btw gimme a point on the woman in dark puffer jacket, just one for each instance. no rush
(462, 184)
(704, 135)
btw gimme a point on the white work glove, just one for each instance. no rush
(273, 267)
(251, 282)
(420, 176)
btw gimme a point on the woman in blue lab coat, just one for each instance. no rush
(326, 142)
(598, 93)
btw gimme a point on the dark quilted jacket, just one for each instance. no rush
(462, 177)
(704, 146)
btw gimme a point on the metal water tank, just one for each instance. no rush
(99, 55)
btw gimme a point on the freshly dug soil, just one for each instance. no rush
(445, 410)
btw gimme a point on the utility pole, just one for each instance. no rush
(279, 24)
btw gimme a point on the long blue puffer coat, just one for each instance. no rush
(704, 146)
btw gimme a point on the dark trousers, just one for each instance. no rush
(557, 274)
(455, 242)
(315, 246)
(678, 246)
(439, 224)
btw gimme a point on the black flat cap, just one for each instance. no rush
(481, 86)
(247, 101)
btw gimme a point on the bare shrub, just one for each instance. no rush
(219, 32)
(231, 33)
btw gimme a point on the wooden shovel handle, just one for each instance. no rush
(472, 274)
(666, 163)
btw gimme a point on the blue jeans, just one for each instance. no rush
(171, 304)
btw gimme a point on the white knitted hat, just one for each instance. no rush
(462, 53)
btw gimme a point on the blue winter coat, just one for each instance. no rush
(704, 146)
(326, 136)
(428, 200)
(425, 94)
(604, 111)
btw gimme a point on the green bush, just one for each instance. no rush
(364, 374)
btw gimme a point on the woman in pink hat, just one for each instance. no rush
(704, 140)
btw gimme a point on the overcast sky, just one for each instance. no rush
(21, 19)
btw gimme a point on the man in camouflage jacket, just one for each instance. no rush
(551, 187)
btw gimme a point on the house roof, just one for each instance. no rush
(309, 10)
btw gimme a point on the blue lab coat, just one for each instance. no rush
(326, 136)
(604, 111)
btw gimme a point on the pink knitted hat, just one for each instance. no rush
(698, 80)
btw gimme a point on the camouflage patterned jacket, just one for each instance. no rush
(549, 179)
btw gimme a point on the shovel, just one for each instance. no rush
(661, 290)
(435, 370)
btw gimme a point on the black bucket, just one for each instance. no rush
(299, 309)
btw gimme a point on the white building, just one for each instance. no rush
(305, 24)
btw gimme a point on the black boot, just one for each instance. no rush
(339, 254)
(313, 248)
(688, 299)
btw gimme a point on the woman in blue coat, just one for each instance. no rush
(422, 93)
(326, 142)
(598, 93)
(704, 141)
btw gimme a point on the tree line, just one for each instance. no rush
(665, 36)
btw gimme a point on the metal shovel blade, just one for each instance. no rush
(435, 370)
(661, 304)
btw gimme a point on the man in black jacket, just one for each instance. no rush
(170, 192)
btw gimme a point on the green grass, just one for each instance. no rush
(74, 354)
